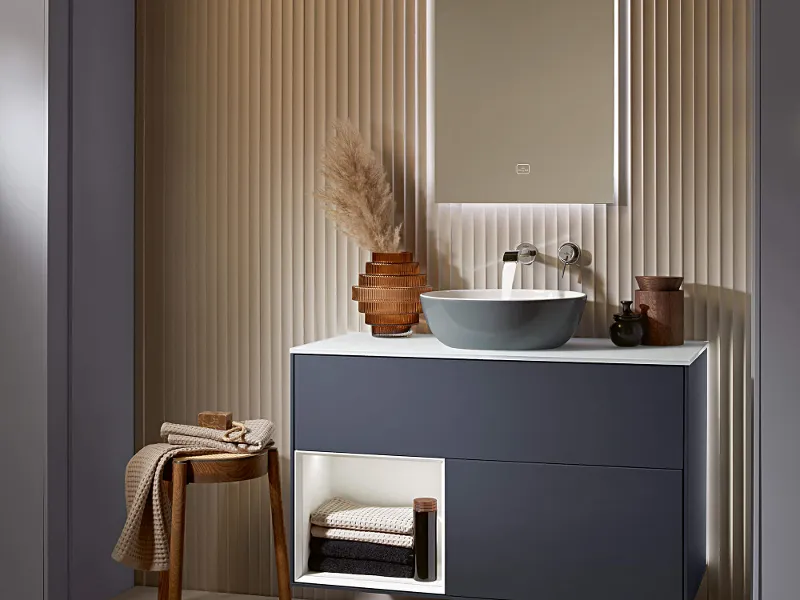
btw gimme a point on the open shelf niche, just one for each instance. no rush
(378, 480)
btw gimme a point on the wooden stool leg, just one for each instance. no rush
(163, 576)
(178, 526)
(163, 585)
(278, 528)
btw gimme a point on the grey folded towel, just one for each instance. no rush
(323, 564)
(361, 551)
(250, 436)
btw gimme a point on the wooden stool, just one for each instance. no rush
(221, 468)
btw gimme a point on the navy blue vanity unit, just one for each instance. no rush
(568, 474)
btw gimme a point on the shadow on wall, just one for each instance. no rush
(711, 311)
(720, 315)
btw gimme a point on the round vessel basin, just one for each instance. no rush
(503, 319)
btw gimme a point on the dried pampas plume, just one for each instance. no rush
(357, 197)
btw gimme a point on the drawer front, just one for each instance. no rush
(590, 414)
(527, 531)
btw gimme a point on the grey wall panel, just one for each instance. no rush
(521, 531)
(23, 310)
(58, 274)
(695, 474)
(780, 288)
(102, 290)
(533, 412)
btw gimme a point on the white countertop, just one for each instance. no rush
(577, 350)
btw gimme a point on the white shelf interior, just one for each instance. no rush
(378, 480)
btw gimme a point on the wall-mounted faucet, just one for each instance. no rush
(524, 254)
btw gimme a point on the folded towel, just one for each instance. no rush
(323, 564)
(250, 436)
(346, 514)
(144, 542)
(374, 537)
(361, 551)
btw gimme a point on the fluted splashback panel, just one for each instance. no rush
(237, 263)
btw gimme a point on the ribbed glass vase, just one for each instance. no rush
(388, 293)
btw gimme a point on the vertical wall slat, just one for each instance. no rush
(638, 128)
(238, 262)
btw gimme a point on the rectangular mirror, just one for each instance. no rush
(526, 101)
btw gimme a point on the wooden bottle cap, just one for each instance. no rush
(424, 504)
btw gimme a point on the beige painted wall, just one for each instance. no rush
(238, 264)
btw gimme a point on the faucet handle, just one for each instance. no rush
(568, 254)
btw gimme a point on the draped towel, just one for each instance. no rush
(144, 541)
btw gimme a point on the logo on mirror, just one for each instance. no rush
(523, 169)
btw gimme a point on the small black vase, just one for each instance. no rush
(627, 330)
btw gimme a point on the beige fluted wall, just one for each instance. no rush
(238, 264)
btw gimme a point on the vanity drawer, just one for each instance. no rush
(521, 531)
(568, 413)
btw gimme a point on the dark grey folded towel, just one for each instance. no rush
(362, 551)
(325, 564)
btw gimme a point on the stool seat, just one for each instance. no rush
(221, 468)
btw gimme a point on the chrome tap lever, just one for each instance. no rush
(568, 254)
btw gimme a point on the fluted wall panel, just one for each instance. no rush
(237, 263)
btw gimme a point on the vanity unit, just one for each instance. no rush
(567, 474)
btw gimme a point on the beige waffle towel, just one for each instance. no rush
(345, 514)
(144, 542)
(250, 436)
(373, 537)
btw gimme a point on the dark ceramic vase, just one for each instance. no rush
(627, 330)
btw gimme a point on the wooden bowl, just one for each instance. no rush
(652, 283)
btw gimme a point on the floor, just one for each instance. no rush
(149, 593)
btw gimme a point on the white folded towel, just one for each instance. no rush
(346, 514)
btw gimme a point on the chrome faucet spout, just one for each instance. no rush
(524, 254)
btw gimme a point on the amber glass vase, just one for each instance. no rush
(388, 293)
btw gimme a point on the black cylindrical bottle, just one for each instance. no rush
(425, 539)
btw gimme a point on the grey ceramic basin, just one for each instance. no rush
(503, 319)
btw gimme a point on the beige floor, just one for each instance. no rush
(145, 593)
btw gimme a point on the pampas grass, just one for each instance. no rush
(357, 196)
